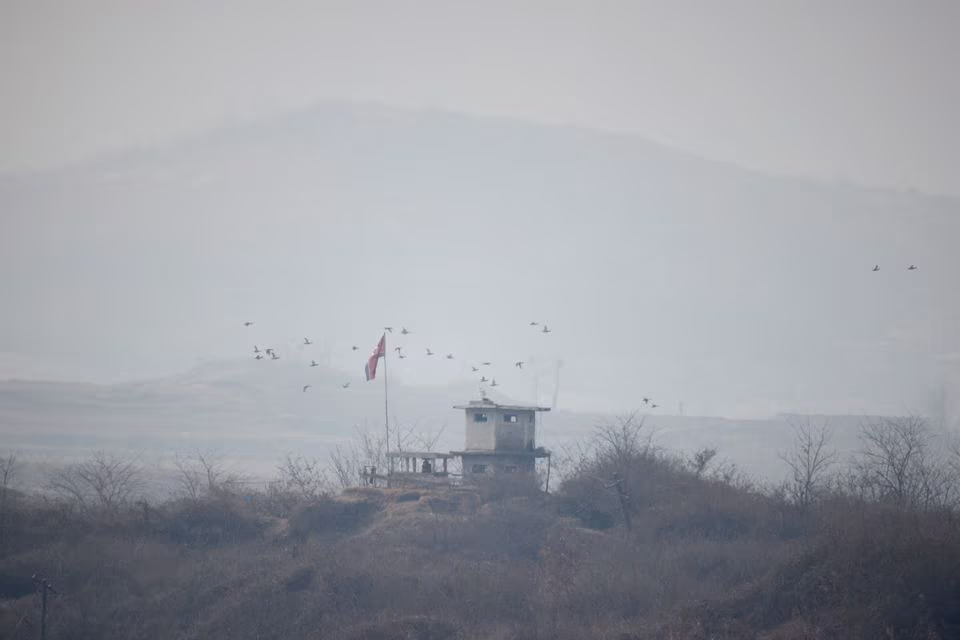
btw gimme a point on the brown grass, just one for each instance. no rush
(704, 559)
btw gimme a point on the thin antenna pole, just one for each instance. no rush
(556, 383)
(45, 588)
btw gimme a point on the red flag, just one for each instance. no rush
(370, 370)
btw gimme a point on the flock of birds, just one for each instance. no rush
(269, 353)
(480, 368)
(912, 267)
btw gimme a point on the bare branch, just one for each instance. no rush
(106, 481)
(809, 461)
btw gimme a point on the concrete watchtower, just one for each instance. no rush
(499, 439)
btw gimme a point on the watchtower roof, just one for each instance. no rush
(486, 403)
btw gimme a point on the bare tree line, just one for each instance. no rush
(901, 461)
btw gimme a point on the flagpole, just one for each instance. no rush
(386, 411)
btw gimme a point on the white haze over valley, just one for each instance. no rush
(729, 295)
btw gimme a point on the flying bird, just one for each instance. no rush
(388, 329)
(269, 351)
(493, 383)
(345, 385)
(654, 406)
(354, 347)
(305, 387)
(449, 356)
(534, 323)
(256, 349)
(876, 267)
(912, 267)
(247, 324)
(401, 356)
(313, 363)
(307, 341)
(483, 378)
(398, 349)
(545, 329)
(429, 353)
(404, 331)
(274, 356)
(646, 401)
(259, 356)
(519, 364)
(486, 364)
(474, 369)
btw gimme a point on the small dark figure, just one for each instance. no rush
(427, 467)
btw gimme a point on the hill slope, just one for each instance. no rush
(662, 274)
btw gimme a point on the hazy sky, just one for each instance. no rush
(859, 90)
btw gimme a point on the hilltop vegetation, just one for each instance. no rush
(636, 543)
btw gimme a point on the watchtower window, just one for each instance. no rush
(479, 468)
(510, 468)
(510, 417)
(480, 417)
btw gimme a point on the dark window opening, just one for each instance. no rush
(510, 417)
(479, 417)
(510, 469)
(479, 468)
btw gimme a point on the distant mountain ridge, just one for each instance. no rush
(734, 292)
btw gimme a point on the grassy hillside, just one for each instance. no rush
(637, 543)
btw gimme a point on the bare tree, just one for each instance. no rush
(896, 465)
(809, 460)
(367, 449)
(622, 442)
(403, 434)
(189, 478)
(427, 440)
(204, 473)
(304, 476)
(701, 459)
(106, 481)
(610, 472)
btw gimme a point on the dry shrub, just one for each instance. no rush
(720, 512)
(704, 557)
(370, 494)
(451, 502)
(868, 572)
(514, 529)
(503, 487)
(409, 628)
(332, 515)
(300, 579)
(213, 521)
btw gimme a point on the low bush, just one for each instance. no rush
(209, 522)
(330, 515)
